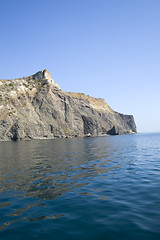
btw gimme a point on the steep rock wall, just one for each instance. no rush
(35, 107)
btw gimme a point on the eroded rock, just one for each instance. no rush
(35, 107)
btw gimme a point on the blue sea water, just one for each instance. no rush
(105, 188)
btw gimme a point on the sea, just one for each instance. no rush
(95, 188)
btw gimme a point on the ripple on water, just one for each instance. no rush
(94, 188)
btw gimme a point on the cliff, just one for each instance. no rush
(35, 107)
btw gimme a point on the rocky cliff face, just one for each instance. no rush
(35, 107)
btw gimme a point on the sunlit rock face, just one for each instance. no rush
(35, 107)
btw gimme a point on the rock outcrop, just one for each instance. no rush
(35, 107)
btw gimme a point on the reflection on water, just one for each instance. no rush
(106, 178)
(45, 170)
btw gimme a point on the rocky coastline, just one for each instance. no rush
(35, 107)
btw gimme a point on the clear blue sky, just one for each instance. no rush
(104, 48)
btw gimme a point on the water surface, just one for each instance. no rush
(88, 188)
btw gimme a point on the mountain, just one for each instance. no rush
(35, 107)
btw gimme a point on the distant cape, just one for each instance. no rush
(35, 107)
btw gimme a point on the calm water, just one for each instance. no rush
(90, 188)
